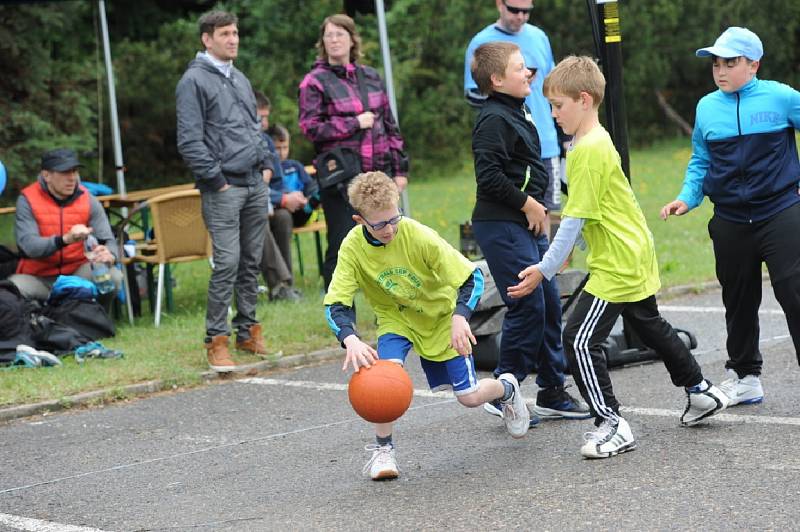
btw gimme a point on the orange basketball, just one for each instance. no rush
(381, 393)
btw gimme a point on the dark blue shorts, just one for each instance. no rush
(457, 374)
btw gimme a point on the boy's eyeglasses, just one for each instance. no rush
(517, 10)
(380, 225)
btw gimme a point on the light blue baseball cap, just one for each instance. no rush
(735, 42)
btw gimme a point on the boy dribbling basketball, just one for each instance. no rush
(423, 292)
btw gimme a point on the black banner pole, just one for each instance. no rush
(604, 15)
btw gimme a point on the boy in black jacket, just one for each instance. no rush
(511, 225)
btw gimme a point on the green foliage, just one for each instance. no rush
(53, 89)
(174, 352)
(47, 94)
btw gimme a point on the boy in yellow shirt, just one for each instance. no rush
(423, 292)
(622, 264)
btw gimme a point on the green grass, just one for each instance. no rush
(174, 352)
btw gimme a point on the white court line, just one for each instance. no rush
(331, 386)
(37, 525)
(657, 412)
(712, 310)
(448, 396)
(733, 418)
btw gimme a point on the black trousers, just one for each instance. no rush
(339, 219)
(740, 249)
(591, 323)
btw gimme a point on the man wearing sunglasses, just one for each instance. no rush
(513, 26)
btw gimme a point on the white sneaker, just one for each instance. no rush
(700, 405)
(382, 465)
(32, 357)
(515, 411)
(744, 391)
(608, 439)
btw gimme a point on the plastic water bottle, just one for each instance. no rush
(101, 275)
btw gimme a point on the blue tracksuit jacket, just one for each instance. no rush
(744, 152)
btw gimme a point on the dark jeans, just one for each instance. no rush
(532, 325)
(281, 224)
(236, 220)
(273, 265)
(276, 260)
(590, 324)
(339, 219)
(740, 249)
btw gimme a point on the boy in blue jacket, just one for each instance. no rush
(744, 158)
(295, 177)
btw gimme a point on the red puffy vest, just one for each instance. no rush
(55, 220)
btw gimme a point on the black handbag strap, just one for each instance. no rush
(364, 96)
(362, 88)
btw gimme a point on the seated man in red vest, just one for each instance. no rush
(54, 217)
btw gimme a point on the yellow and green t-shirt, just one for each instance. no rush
(411, 284)
(622, 258)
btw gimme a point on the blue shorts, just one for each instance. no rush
(457, 374)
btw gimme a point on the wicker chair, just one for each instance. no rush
(180, 236)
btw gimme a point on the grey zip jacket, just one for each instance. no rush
(219, 135)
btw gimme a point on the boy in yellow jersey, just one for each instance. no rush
(423, 292)
(622, 264)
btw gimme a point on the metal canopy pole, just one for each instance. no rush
(387, 58)
(387, 73)
(112, 101)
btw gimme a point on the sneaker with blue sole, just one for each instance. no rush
(746, 390)
(702, 404)
(557, 403)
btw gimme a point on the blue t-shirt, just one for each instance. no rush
(538, 54)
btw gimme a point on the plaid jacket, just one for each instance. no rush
(329, 102)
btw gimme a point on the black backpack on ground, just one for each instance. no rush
(86, 316)
(53, 337)
(8, 262)
(15, 327)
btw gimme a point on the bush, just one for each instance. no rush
(51, 93)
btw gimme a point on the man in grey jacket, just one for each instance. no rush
(219, 139)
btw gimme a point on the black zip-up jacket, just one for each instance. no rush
(508, 162)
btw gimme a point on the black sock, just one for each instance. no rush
(508, 391)
(384, 441)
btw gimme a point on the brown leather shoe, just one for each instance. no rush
(254, 344)
(219, 358)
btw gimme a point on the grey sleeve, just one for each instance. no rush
(566, 236)
(98, 221)
(191, 135)
(26, 231)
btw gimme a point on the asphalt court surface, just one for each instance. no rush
(284, 451)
